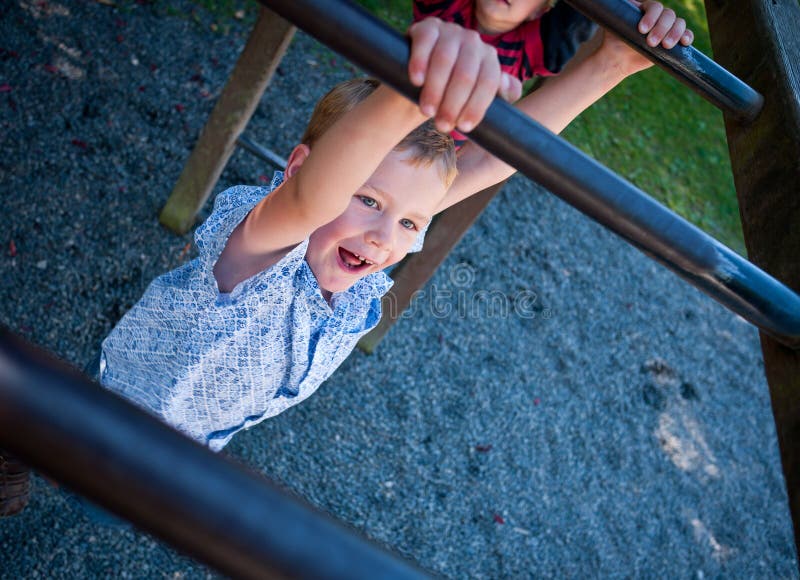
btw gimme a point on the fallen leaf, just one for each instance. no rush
(180, 108)
(498, 519)
(483, 448)
(263, 179)
(12, 249)
(5, 88)
(536, 401)
(50, 68)
(120, 38)
(79, 143)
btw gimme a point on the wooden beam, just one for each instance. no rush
(261, 56)
(759, 41)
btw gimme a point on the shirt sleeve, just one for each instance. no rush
(230, 208)
(563, 30)
(457, 11)
(426, 8)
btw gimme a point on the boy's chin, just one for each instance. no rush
(342, 285)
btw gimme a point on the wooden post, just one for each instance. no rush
(413, 272)
(758, 41)
(261, 55)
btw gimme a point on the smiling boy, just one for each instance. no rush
(289, 277)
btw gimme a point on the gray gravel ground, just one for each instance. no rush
(554, 405)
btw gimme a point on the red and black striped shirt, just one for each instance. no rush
(539, 47)
(520, 51)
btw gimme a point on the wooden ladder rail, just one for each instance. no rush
(758, 41)
(260, 58)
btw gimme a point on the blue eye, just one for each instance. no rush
(408, 224)
(368, 201)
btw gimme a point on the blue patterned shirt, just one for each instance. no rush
(211, 364)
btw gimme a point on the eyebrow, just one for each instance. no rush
(415, 215)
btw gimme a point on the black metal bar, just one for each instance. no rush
(102, 446)
(685, 63)
(579, 180)
(261, 152)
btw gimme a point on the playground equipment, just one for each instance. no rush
(91, 439)
(34, 393)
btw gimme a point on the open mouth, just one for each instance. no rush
(354, 262)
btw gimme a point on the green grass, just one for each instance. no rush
(651, 129)
(668, 141)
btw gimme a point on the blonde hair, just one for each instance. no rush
(426, 144)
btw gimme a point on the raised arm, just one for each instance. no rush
(459, 76)
(600, 65)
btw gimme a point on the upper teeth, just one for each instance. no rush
(363, 259)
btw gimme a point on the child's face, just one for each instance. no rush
(498, 16)
(380, 224)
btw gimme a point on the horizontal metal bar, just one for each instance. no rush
(576, 178)
(685, 63)
(261, 152)
(103, 447)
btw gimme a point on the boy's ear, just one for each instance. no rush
(298, 155)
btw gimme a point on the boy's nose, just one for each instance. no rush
(380, 236)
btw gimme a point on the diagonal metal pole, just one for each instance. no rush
(567, 172)
(104, 447)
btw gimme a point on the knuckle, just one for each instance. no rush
(463, 74)
(445, 119)
(469, 114)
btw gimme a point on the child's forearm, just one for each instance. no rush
(350, 151)
(554, 105)
(562, 98)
